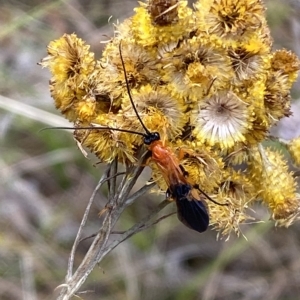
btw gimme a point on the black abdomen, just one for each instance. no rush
(190, 211)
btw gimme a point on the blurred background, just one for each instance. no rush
(45, 183)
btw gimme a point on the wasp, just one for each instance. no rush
(192, 210)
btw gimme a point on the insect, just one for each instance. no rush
(191, 208)
(191, 211)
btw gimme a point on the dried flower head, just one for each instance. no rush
(294, 149)
(163, 12)
(105, 143)
(158, 109)
(277, 96)
(205, 168)
(276, 184)
(230, 18)
(70, 63)
(197, 67)
(247, 60)
(222, 120)
(287, 63)
(147, 33)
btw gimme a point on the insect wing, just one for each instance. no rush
(193, 214)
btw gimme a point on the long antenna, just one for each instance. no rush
(129, 93)
(95, 128)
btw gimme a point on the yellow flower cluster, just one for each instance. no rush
(294, 149)
(207, 80)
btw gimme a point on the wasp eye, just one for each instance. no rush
(156, 136)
